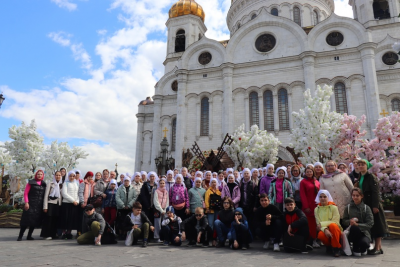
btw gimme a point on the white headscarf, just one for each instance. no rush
(67, 176)
(56, 191)
(155, 175)
(134, 175)
(283, 169)
(246, 170)
(213, 179)
(197, 179)
(253, 170)
(309, 165)
(326, 193)
(318, 164)
(206, 174)
(113, 181)
(127, 178)
(179, 176)
(143, 173)
(270, 165)
(170, 172)
(198, 172)
(229, 170)
(128, 175)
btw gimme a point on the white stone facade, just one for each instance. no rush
(299, 60)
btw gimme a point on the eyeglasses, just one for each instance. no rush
(198, 215)
(237, 214)
(227, 203)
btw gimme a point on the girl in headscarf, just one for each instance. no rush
(161, 202)
(136, 182)
(280, 189)
(220, 180)
(126, 196)
(212, 201)
(196, 196)
(215, 175)
(78, 177)
(179, 197)
(69, 207)
(265, 182)
(309, 188)
(85, 192)
(207, 180)
(51, 207)
(144, 176)
(231, 190)
(33, 210)
(109, 205)
(328, 222)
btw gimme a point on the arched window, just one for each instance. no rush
(204, 117)
(180, 41)
(173, 135)
(316, 19)
(268, 111)
(283, 108)
(253, 16)
(381, 9)
(396, 104)
(296, 15)
(254, 111)
(340, 98)
(274, 11)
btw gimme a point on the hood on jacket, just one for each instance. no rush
(240, 210)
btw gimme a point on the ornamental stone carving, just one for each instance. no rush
(205, 58)
(334, 38)
(390, 58)
(265, 43)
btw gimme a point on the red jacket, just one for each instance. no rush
(308, 195)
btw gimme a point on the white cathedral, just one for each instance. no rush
(277, 49)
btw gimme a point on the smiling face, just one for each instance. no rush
(362, 167)
(330, 167)
(63, 172)
(71, 177)
(323, 199)
(138, 178)
(178, 180)
(231, 179)
(295, 171)
(309, 173)
(208, 176)
(221, 176)
(98, 176)
(343, 168)
(281, 174)
(318, 169)
(58, 176)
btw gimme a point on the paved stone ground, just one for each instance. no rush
(69, 253)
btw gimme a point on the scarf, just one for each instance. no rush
(330, 175)
(86, 195)
(56, 191)
(231, 186)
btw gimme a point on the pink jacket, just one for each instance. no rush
(235, 194)
(178, 194)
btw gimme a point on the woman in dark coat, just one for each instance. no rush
(369, 185)
(32, 215)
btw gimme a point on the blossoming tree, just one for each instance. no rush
(384, 153)
(316, 129)
(252, 148)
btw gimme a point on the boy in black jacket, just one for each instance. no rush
(139, 222)
(197, 229)
(171, 228)
(295, 224)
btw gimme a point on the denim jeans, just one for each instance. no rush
(222, 230)
(211, 219)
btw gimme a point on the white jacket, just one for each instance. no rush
(69, 192)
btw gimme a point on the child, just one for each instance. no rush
(171, 228)
(197, 229)
(280, 189)
(240, 233)
(110, 203)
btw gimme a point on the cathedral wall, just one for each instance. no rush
(380, 33)
(350, 40)
(216, 60)
(297, 98)
(357, 93)
(238, 108)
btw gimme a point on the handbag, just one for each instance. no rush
(215, 202)
(202, 200)
(179, 206)
(97, 201)
(129, 236)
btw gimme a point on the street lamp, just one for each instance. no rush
(162, 161)
(1, 99)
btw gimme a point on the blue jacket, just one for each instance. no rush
(110, 201)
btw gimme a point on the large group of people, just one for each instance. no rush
(295, 207)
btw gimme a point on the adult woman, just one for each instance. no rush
(221, 180)
(69, 207)
(161, 202)
(212, 201)
(254, 177)
(343, 167)
(223, 224)
(97, 177)
(359, 218)
(136, 183)
(328, 222)
(296, 180)
(215, 175)
(338, 184)
(370, 187)
(33, 210)
(265, 182)
(319, 170)
(179, 198)
(196, 196)
(170, 181)
(101, 186)
(280, 189)
(309, 188)
(125, 198)
(144, 176)
(63, 174)
(85, 192)
(206, 182)
(231, 190)
(355, 174)
(147, 193)
(51, 207)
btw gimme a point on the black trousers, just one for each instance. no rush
(241, 234)
(274, 230)
(303, 232)
(169, 236)
(359, 239)
(191, 234)
(49, 228)
(249, 213)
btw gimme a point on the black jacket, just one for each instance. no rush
(88, 220)
(188, 183)
(354, 177)
(145, 196)
(297, 218)
(261, 214)
(127, 225)
(192, 221)
(251, 191)
(34, 215)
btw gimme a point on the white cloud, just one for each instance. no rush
(342, 8)
(61, 38)
(65, 4)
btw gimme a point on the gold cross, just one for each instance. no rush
(165, 132)
(384, 113)
(116, 165)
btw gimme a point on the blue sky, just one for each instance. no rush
(80, 68)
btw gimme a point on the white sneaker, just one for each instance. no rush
(159, 241)
(96, 243)
(266, 245)
(276, 247)
(357, 254)
(48, 238)
(315, 244)
(364, 253)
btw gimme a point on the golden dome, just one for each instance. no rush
(186, 7)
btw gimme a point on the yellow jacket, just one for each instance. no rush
(325, 215)
(207, 197)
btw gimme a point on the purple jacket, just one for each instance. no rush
(235, 194)
(265, 184)
(178, 194)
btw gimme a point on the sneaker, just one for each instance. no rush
(309, 248)
(266, 245)
(304, 250)
(166, 243)
(315, 244)
(191, 243)
(205, 245)
(336, 252)
(276, 247)
(98, 244)
(159, 241)
(357, 254)
(48, 238)
(364, 253)
(144, 244)
(220, 245)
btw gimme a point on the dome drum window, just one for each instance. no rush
(265, 43)
(205, 58)
(334, 38)
(390, 58)
(174, 86)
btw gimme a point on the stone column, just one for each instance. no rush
(155, 145)
(246, 112)
(260, 110)
(198, 119)
(290, 109)
(276, 111)
(210, 118)
(227, 115)
(139, 141)
(371, 82)
(308, 59)
(348, 97)
(180, 116)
